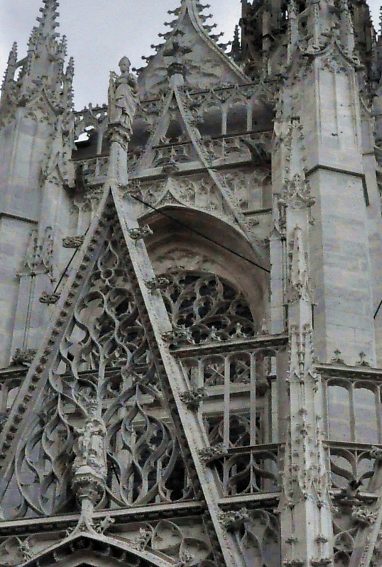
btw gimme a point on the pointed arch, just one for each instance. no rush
(91, 551)
(171, 246)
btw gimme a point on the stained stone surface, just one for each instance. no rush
(190, 275)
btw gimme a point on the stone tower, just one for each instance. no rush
(191, 291)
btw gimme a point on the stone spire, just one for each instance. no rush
(11, 66)
(293, 34)
(236, 46)
(42, 71)
(48, 19)
(46, 51)
(8, 80)
(346, 27)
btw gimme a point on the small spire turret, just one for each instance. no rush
(11, 68)
(236, 46)
(292, 28)
(42, 70)
(48, 19)
(68, 84)
(46, 51)
(346, 27)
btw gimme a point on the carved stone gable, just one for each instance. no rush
(189, 48)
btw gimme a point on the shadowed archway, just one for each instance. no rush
(86, 550)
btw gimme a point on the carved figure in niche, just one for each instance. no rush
(123, 96)
(90, 449)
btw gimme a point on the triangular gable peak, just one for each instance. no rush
(87, 549)
(105, 417)
(189, 44)
(98, 370)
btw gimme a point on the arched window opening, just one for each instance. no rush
(207, 306)
(339, 413)
(354, 412)
(237, 120)
(365, 415)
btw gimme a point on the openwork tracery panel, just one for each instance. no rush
(207, 306)
(236, 415)
(354, 410)
(103, 375)
(354, 423)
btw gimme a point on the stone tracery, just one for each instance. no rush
(168, 396)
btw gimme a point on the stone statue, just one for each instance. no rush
(89, 471)
(123, 96)
(90, 449)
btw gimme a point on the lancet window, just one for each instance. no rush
(354, 411)
(354, 419)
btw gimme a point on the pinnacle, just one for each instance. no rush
(11, 66)
(48, 19)
(13, 53)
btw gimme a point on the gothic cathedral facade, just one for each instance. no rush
(191, 297)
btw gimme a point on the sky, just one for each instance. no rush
(100, 32)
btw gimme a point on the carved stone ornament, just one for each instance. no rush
(376, 453)
(158, 283)
(123, 97)
(299, 284)
(296, 192)
(74, 242)
(23, 356)
(25, 549)
(337, 358)
(362, 360)
(264, 329)
(234, 520)
(193, 398)
(239, 333)
(140, 233)
(210, 454)
(141, 541)
(90, 471)
(321, 562)
(49, 299)
(102, 526)
(363, 516)
(178, 338)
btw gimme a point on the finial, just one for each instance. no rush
(70, 68)
(13, 54)
(347, 27)
(292, 27)
(48, 19)
(292, 9)
(11, 66)
(63, 46)
(236, 45)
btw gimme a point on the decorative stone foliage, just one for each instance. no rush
(193, 415)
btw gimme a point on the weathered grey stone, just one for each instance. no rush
(189, 297)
